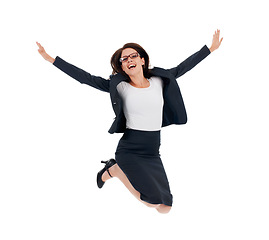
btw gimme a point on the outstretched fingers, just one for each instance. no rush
(40, 48)
(216, 41)
(217, 34)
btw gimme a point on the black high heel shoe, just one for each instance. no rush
(109, 164)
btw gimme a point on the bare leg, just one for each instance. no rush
(115, 171)
(163, 208)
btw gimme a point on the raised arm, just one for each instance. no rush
(190, 62)
(197, 57)
(75, 72)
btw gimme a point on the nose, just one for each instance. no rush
(129, 59)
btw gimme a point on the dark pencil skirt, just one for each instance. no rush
(138, 157)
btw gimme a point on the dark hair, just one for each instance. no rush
(116, 64)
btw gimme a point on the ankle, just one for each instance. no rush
(114, 170)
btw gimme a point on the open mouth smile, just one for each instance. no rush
(131, 66)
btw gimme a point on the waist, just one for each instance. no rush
(142, 133)
(140, 142)
(142, 137)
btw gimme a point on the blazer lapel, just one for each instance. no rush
(160, 72)
(114, 81)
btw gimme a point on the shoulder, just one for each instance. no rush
(122, 87)
(160, 72)
(157, 80)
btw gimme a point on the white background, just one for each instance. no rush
(53, 130)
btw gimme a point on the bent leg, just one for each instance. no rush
(115, 171)
(163, 208)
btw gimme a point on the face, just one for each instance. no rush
(133, 64)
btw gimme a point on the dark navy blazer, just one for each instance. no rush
(173, 110)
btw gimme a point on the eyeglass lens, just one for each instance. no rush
(132, 56)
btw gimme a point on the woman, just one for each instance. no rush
(144, 100)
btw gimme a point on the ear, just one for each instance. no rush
(143, 61)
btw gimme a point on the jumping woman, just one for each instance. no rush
(144, 100)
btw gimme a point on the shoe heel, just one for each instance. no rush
(108, 164)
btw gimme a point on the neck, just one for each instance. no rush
(139, 81)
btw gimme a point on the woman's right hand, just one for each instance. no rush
(43, 53)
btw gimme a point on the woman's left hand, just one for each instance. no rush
(215, 42)
(43, 53)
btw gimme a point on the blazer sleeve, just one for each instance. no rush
(81, 75)
(190, 62)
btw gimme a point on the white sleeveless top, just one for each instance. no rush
(143, 107)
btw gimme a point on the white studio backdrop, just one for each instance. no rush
(53, 130)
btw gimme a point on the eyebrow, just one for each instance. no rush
(128, 54)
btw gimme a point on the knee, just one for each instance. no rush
(163, 209)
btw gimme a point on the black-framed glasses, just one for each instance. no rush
(132, 56)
